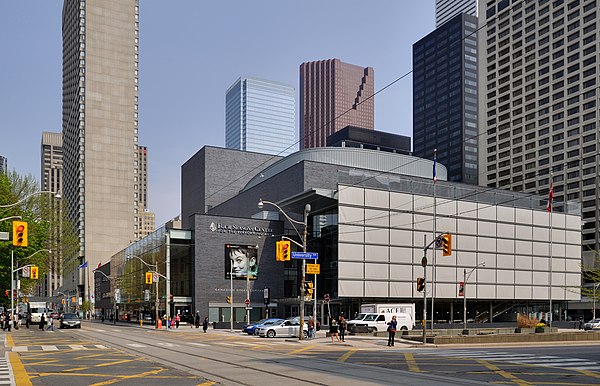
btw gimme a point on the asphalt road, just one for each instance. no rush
(124, 354)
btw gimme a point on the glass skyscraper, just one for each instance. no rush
(260, 117)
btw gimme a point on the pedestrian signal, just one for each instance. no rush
(33, 272)
(148, 277)
(420, 284)
(446, 244)
(19, 233)
(228, 299)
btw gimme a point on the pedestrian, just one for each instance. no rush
(2, 321)
(333, 329)
(205, 324)
(343, 327)
(311, 327)
(8, 319)
(16, 322)
(197, 320)
(102, 317)
(42, 321)
(392, 325)
(177, 320)
(50, 324)
(580, 322)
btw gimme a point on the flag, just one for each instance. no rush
(434, 169)
(99, 265)
(550, 197)
(84, 265)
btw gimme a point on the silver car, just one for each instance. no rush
(593, 324)
(286, 328)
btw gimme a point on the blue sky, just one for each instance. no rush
(191, 51)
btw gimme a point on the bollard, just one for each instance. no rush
(141, 322)
(159, 325)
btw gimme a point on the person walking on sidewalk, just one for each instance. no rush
(333, 329)
(205, 324)
(392, 325)
(311, 327)
(177, 320)
(197, 320)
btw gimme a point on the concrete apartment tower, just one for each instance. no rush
(100, 128)
(260, 116)
(144, 219)
(333, 95)
(52, 180)
(445, 97)
(539, 98)
(447, 9)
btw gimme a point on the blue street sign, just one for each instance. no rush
(305, 255)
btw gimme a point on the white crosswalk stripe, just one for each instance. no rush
(523, 359)
(6, 374)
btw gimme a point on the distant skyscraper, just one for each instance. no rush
(3, 164)
(51, 180)
(445, 97)
(539, 99)
(328, 89)
(260, 117)
(447, 9)
(100, 126)
(144, 220)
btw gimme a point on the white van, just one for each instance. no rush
(379, 321)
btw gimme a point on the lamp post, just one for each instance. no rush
(304, 223)
(594, 307)
(56, 195)
(465, 278)
(13, 271)
(11, 218)
(154, 269)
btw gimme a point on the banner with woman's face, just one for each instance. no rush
(241, 261)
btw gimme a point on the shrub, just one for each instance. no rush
(524, 321)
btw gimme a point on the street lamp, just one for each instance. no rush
(154, 269)
(13, 271)
(11, 218)
(465, 278)
(594, 309)
(56, 195)
(304, 223)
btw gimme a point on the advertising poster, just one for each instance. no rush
(241, 261)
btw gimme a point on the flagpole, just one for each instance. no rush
(433, 278)
(550, 197)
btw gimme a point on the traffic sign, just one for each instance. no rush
(305, 255)
(155, 277)
(313, 269)
(247, 301)
(424, 261)
(26, 272)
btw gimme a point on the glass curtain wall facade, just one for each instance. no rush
(445, 112)
(260, 116)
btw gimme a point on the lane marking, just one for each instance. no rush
(199, 344)
(49, 348)
(120, 378)
(207, 383)
(301, 350)
(139, 345)
(412, 363)
(347, 355)
(502, 373)
(21, 376)
(9, 341)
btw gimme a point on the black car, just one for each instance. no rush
(70, 321)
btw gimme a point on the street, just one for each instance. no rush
(101, 354)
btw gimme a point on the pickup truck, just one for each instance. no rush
(378, 322)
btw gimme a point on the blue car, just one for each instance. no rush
(252, 329)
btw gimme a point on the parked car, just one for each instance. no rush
(69, 320)
(286, 328)
(252, 328)
(593, 324)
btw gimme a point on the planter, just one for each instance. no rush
(518, 330)
(540, 330)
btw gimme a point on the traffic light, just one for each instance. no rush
(148, 277)
(7, 292)
(19, 233)
(309, 289)
(420, 284)
(228, 299)
(446, 244)
(278, 251)
(285, 250)
(33, 272)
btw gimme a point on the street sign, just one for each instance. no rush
(266, 296)
(247, 302)
(155, 276)
(146, 295)
(305, 255)
(4, 236)
(117, 296)
(313, 269)
(326, 297)
(25, 272)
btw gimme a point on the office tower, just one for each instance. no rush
(538, 92)
(52, 180)
(100, 126)
(445, 97)
(3, 164)
(447, 9)
(260, 117)
(333, 95)
(144, 220)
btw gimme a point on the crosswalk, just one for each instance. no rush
(6, 376)
(523, 359)
(257, 343)
(58, 347)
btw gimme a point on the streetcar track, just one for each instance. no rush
(175, 364)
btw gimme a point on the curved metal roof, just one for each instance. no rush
(375, 160)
